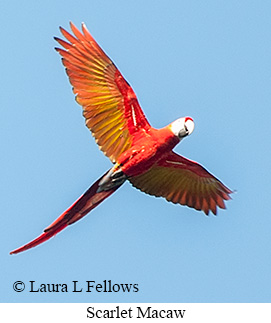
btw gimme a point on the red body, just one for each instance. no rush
(140, 153)
(147, 149)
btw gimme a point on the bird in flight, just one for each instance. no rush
(140, 153)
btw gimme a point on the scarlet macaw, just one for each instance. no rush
(140, 154)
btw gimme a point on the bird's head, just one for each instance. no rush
(182, 127)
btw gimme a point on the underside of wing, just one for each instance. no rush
(183, 181)
(110, 106)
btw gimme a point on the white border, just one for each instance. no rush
(77, 312)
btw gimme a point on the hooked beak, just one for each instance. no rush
(184, 132)
(188, 128)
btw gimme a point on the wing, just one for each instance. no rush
(183, 181)
(110, 106)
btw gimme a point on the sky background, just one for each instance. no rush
(209, 60)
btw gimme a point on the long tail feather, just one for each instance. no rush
(88, 201)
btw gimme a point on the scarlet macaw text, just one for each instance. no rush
(138, 312)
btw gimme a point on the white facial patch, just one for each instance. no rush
(182, 127)
(177, 126)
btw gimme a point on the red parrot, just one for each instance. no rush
(140, 153)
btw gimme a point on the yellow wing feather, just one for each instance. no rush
(110, 106)
(182, 181)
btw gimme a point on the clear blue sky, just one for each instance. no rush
(209, 60)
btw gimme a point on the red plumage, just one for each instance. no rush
(140, 153)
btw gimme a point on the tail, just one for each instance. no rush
(88, 201)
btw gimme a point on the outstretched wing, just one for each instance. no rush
(110, 106)
(183, 181)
